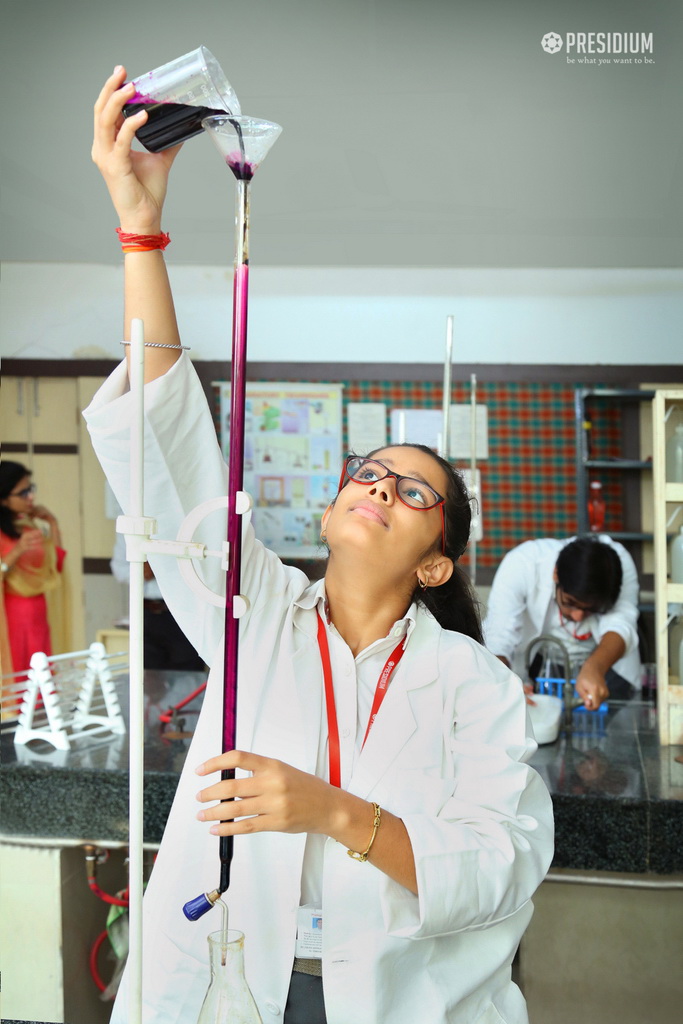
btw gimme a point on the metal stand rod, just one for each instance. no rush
(448, 360)
(474, 490)
(136, 685)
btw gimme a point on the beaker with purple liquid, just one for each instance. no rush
(178, 96)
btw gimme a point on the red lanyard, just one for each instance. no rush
(380, 693)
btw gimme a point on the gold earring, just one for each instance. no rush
(423, 584)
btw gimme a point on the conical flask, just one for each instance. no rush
(228, 999)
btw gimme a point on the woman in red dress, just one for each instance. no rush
(31, 561)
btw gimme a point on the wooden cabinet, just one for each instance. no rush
(38, 411)
(58, 478)
(98, 532)
(14, 412)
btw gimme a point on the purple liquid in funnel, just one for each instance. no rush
(240, 167)
(167, 123)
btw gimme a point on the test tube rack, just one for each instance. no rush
(584, 720)
(69, 696)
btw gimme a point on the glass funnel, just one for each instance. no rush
(242, 141)
(228, 999)
(178, 96)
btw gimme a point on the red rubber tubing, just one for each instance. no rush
(94, 950)
(166, 716)
(105, 895)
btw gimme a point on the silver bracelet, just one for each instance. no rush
(158, 344)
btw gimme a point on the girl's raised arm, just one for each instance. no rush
(137, 185)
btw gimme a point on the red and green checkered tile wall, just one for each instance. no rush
(529, 480)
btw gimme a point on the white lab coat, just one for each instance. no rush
(523, 589)
(447, 753)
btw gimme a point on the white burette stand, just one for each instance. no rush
(474, 489)
(139, 531)
(445, 438)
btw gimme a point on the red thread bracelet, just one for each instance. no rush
(142, 243)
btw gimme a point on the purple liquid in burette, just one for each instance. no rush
(167, 124)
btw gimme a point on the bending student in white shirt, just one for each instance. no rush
(424, 928)
(584, 591)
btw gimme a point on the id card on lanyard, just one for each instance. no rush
(380, 693)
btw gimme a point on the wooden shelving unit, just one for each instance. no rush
(667, 410)
(617, 468)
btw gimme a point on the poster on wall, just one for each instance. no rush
(367, 426)
(292, 460)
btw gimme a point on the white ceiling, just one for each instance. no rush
(416, 132)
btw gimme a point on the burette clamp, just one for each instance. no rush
(140, 542)
(188, 571)
(137, 531)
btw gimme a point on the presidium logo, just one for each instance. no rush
(551, 42)
(622, 47)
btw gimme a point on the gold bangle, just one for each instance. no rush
(375, 828)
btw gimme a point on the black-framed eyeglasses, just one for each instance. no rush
(414, 493)
(25, 492)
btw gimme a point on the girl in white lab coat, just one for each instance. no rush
(449, 830)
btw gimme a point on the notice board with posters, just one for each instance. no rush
(292, 460)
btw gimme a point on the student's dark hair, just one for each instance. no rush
(454, 604)
(10, 475)
(590, 570)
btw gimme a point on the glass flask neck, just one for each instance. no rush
(228, 999)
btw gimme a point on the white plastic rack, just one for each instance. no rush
(66, 696)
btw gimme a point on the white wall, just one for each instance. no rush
(394, 315)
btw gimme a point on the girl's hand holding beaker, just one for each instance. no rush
(137, 185)
(136, 181)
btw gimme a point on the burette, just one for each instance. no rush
(243, 142)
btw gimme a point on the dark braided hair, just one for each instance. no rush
(10, 475)
(454, 604)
